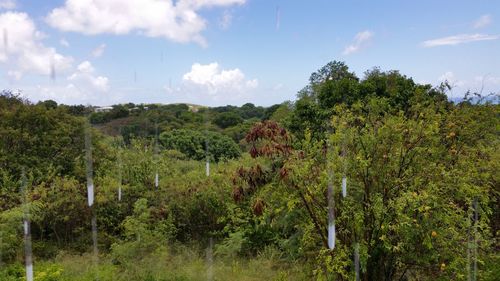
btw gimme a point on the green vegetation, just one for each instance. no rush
(414, 164)
(132, 121)
(194, 144)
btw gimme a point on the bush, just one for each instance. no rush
(142, 236)
(227, 119)
(193, 144)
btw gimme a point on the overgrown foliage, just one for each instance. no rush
(414, 163)
(196, 145)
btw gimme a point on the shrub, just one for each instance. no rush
(193, 144)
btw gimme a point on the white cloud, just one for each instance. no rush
(69, 93)
(487, 84)
(23, 50)
(83, 86)
(479, 84)
(7, 4)
(361, 41)
(210, 3)
(451, 79)
(458, 87)
(177, 21)
(64, 42)
(85, 77)
(226, 20)
(487, 79)
(14, 75)
(483, 21)
(458, 39)
(99, 51)
(216, 80)
(210, 84)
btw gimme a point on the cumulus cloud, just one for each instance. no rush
(483, 21)
(210, 84)
(7, 4)
(458, 39)
(67, 94)
(23, 50)
(85, 77)
(177, 21)
(99, 51)
(361, 41)
(83, 86)
(216, 80)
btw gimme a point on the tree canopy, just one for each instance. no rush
(196, 145)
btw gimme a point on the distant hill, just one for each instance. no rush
(146, 120)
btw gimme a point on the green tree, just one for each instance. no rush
(249, 110)
(227, 119)
(64, 214)
(99, 117)
(140, 235)
(412, 178)
(193, 144)
(118, 111)
(49, 104)
(334, 84)
(268, 112)
(40, 140)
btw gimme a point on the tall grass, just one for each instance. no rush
(164, 264)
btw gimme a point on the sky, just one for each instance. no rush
(218, 52)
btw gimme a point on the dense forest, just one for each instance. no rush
(408, 178)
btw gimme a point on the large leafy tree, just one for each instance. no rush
(194, 144)
(412, 178)
(227, 119)
(40, 139)
(334, 84)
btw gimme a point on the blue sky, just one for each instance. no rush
(218, 52)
